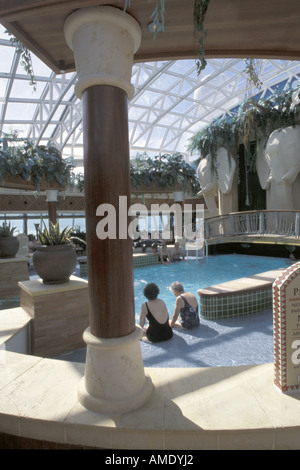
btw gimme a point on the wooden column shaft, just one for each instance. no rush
(52, 211)
(107, 176)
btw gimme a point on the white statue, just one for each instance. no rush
(213, 182)
(209, 185)
(283, 157)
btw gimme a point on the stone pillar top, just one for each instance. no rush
(104, 40)
(51, 195)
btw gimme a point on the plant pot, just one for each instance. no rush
(8, 247)
(54, 264)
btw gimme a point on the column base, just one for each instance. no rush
(115, 380)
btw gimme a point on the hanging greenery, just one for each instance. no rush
(158, 21)
(255, 121)
(200, 9)
(26, 61)
(220, 133)
(252, 73)
(157, 16)
(164, 171)
(20, 158)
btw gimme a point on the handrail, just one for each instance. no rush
(196, 246)
(263, 222)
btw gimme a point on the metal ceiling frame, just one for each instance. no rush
(171, 103)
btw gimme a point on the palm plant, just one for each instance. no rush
(6, 230)
(55, 236)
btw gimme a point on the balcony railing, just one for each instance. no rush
(266, 222)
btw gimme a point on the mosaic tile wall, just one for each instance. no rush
(145, 260)
(235, 305)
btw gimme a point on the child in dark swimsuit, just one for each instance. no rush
(155, 310)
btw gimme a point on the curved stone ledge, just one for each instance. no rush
(190, 408)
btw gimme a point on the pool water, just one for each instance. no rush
(196, 274)
(244, 340)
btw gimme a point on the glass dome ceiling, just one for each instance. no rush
(171, 103)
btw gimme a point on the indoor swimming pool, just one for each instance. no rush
(244, 340)
(196, 274)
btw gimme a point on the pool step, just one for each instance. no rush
(238, 297)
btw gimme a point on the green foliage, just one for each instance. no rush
(220, 133)
(254, 121)
(6, 230)
(79, 236)
(165, 171)
(157, 16)
(33, 163)
(77, 180)
(262, 117)
(200, 9)
(26, 61)
(252, 73)
(55, 236)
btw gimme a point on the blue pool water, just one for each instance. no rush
(196, 274)
(245, 340)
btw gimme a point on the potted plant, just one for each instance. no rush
(55, 259)
(9, 244)
(79, 237)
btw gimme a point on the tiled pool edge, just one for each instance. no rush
(239, 297)
(139, 261)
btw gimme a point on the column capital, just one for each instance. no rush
(104, 40)
(51, 195)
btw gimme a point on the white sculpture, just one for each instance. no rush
(283, 157)
(209, 185)
(222, 179)
(262, 167)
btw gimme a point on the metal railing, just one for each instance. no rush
(265, 222)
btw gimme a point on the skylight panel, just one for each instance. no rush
(6, 58)
(3, 85)
(20, 111)
(22, 89)
(3, 35)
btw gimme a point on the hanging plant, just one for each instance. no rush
(220, 133)
(252, 72)
(26, 61)
(157, 16)
(200, 9)
(255, 121)
(165, 171)
(33, 163)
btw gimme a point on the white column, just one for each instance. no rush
(104, 40)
